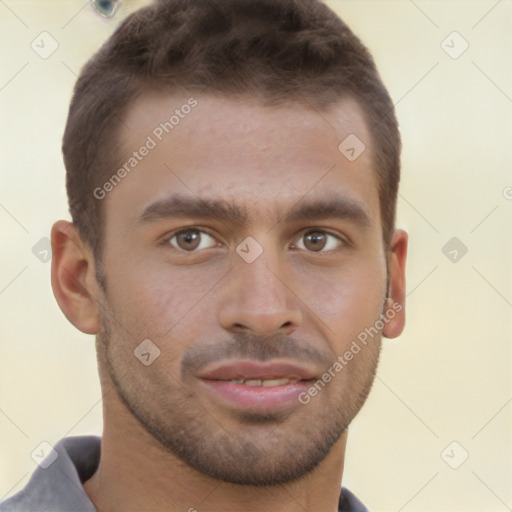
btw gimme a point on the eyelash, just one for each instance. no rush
(166, 241)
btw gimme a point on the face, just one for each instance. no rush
(248, 249)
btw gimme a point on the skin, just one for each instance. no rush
(168, 443)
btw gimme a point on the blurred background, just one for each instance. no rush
(435, 434)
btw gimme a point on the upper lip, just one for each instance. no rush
(246, 370)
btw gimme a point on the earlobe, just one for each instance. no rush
(395, 304)
(73, 277)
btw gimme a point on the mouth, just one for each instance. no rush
(256, 386)
(265, 383)
(253, 373)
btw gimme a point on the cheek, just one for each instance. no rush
(158, 301)
(346, 299)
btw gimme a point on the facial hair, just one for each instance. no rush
(266, 449)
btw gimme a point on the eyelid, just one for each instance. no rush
(192, 227)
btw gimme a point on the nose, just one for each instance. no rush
(259, 299)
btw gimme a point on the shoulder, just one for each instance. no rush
(350, 503)
(56, 484)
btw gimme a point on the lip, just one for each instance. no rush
(217, 381)
(255, 370)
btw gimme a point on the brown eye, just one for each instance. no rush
(315, 241)
(318, 241)
(190, 240)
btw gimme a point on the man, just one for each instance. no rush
(232, 173)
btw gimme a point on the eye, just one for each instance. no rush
(318, 241)
(192, 240)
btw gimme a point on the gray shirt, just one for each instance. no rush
(57, 486)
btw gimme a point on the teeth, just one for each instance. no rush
(255, 382)
(274, 382)
(268, 383)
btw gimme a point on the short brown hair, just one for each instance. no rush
(277, 50)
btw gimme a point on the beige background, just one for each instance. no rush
(447, 378)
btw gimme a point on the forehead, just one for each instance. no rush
(266, 157)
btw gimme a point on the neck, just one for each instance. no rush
(137, 473)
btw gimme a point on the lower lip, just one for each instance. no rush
(257, 398)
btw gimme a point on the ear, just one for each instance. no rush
(395, 304)
(73, 277)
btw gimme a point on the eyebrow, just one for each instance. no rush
(182, 206)
(227, 211)
(344, 208)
